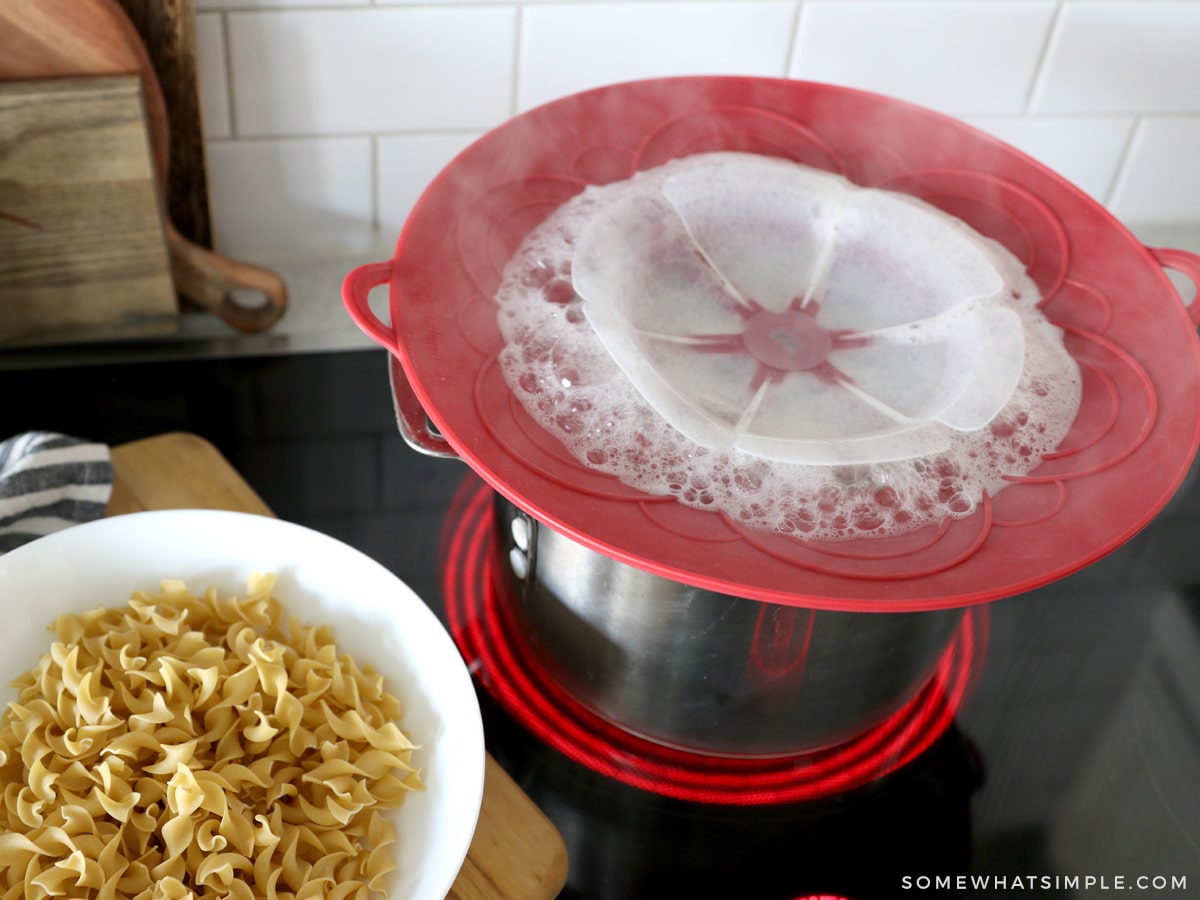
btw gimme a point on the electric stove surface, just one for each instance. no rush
(1056, 751)
(1057, 756)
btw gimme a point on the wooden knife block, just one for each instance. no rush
(83, 254)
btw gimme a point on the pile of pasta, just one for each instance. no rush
(199, 747)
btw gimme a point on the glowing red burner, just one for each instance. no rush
(487, 635)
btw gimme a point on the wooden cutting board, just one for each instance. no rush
(168, 31)
(82, 250)
(69, 38)
(517, 854)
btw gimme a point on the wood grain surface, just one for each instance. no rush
(516, 854)
(67, 38)
(76, 38)
(168, 30)
(82, 250)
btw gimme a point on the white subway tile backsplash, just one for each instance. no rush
(372, 70)
(567, 48)
(1161, 180)
(328, 118)
(972, 58)
(1086, 150)
(211, 67)
(406, 166)
(1123, 57)
(274, 4)
(283, 195)
(436, 2)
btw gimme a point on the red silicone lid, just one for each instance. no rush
(1127, 452)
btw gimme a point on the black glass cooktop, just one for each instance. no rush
(1071, 767)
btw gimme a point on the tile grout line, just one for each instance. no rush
(1125, 164)
(465, 131)
(427, 4)
(1040, 72)
(227, 64)
(375, 185)
(790, 62)
(517, 43)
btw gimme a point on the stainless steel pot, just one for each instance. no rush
(704, 671)
(691, 668)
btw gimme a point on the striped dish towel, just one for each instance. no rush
(49, 481)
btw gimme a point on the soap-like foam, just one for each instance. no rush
(875, 471)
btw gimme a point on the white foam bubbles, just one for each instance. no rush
(911, 414)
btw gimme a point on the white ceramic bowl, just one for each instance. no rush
(373, 616)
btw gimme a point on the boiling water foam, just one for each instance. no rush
(577, 365)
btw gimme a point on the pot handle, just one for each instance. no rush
(355, 289)
(1186, 263)
(412, 420)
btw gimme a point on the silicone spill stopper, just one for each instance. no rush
(785, 312)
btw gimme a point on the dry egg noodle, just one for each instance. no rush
(199, 746)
